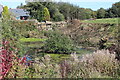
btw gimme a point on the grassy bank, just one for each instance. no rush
(31, 39)
(106, 20)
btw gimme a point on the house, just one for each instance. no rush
(1, 9)
(20, 14)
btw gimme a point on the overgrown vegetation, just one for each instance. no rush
(100, 64)
(58, 43)
(78, 50)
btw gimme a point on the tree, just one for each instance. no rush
(58, 16)
(118, 8)
(88, 13)
(58, 43)
(94, 14)
(82, 14)
(65, 8)
(46, 14)
(101, 13)
(114, 10)
(5, 12)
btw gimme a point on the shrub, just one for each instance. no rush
(58, 17)
(6, 57)
(5, 12)
(103, 62)
(100, 64)
(45, 68)
(11, 66)
(58, 43)
(46, 14)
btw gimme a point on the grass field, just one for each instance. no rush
(106, 20)
(31, 40)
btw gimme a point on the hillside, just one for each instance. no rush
(89, 34)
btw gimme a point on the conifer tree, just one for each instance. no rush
(5, 12)
(46, 14)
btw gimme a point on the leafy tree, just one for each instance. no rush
(58, 17)
(101, 13)
(114, 10)
(5, 12)
(46, 14)
(53, 8)
(94, 14)
(35, 9)
(88, 13)
(82, 14)
(58, 43)
(65, 9)
(117, 4)
(109, 13)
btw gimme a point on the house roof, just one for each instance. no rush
(19, 12)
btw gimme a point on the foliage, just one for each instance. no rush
(100, 13)
(92, 33)
(19, 68)
(6, 58)
(5, 12)
(35, 9)
(69, 11)
(89, 13)
(45, 68)
(12, 31)
(46, 14)
(113, 11)
(58, 43)
(58, 17)
(100, 64)
(65, 10)
(9, 61)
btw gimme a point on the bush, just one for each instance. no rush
(100, 64)
(10, 64)
(6, 57)
(58, 43)
(58, 17)
(46, 14)
(45, 68)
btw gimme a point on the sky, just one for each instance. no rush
(93, 4)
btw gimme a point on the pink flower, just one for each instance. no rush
(1, 77)
(4, 51)
(5, 42)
